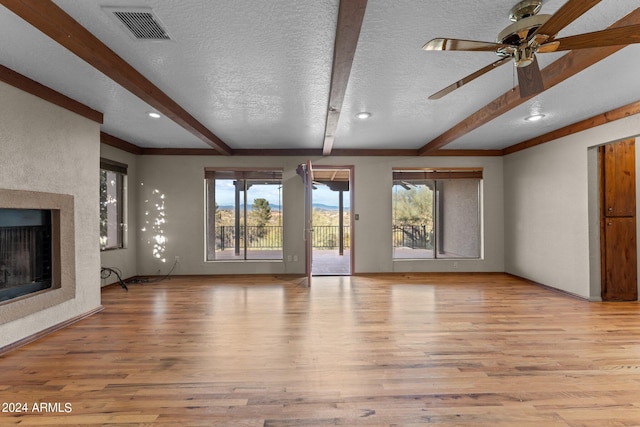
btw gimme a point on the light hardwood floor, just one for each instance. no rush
(448, 350)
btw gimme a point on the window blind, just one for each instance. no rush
(434, 174)
(113, 166)
(267, 174)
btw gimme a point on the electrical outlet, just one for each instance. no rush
(295, 258)
(288, 258)
(177, 259)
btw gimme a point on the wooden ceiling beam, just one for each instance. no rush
(557, 72)
(350, 17)
(121, 144)
(25, 84)
(47, 17)
(597, 120)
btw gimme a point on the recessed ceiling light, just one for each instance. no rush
(534, 117)
(363, 115)
(153, 115)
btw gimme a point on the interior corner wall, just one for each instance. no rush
(176, 185)
(549, 209)
(124, 260)
(46, 148)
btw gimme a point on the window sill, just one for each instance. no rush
(435, 259)
(111, 249)
(275, 261)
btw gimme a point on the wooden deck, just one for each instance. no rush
(446, 350)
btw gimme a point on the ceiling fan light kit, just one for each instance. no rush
(529, 34)
(518, 31)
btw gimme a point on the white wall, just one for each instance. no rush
(46, 148)
(550, 212)
(124, 259)
(180, 179)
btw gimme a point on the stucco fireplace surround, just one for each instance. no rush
(60, 211)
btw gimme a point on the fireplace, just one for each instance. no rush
(37, 252)
(25, 252)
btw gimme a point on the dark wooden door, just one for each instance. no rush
(620, 253)
(620, 179)
(618, 221)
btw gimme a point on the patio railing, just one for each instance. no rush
(266, 237)
(324, 236)
(270, 237)
(412, 236)
(328, 236)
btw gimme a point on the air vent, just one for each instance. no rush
(139, 23)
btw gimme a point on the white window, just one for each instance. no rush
(244, 214)
(436, 214)
(112, 202)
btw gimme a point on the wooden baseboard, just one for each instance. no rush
(427, 273)
(50, 330)
(551, 288)
(283, 276)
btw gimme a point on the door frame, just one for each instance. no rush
(603, 218)
(307, 178)
(351, 169)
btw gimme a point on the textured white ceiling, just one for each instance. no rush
(36, 56)
(392, 77)
(257, 73)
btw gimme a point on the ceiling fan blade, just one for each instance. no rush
(568, 13)
(465, 45)
(530, 79)
(469, 78)
(609, 37)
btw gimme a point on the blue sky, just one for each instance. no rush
(324, 196)
(225, 195)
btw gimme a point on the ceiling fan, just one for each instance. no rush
(530, 34)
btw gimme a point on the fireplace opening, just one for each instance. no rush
(26, 252)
